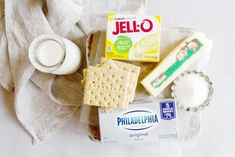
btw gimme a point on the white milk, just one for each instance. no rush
(52, 58)
(51, 53)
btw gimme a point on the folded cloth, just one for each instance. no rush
(6, 79)
(44, 102)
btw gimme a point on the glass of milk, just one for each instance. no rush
(51, 53)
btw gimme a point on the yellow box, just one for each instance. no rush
(133, 37)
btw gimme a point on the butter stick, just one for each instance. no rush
(175, 63)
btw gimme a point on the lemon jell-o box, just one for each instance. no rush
(133, 37)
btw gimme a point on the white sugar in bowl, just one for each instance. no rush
(51, 53)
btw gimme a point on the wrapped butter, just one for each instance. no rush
(142, 122)
(133, 37)
(176, 62)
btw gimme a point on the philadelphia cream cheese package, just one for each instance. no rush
(142, 122)
(133, 37)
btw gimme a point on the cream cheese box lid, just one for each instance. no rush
(142, 122)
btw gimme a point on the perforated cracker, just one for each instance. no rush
(110, 64)
(106, 87)
(107, 109)
(84, 77)
(134, 70)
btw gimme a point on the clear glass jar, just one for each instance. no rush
(51, 53)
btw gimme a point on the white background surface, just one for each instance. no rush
(213, 17)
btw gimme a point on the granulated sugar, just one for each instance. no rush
(191, 90)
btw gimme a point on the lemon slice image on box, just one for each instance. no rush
(148, 45)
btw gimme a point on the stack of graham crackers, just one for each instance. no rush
(110, 84)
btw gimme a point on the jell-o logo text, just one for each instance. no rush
(132, 26)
